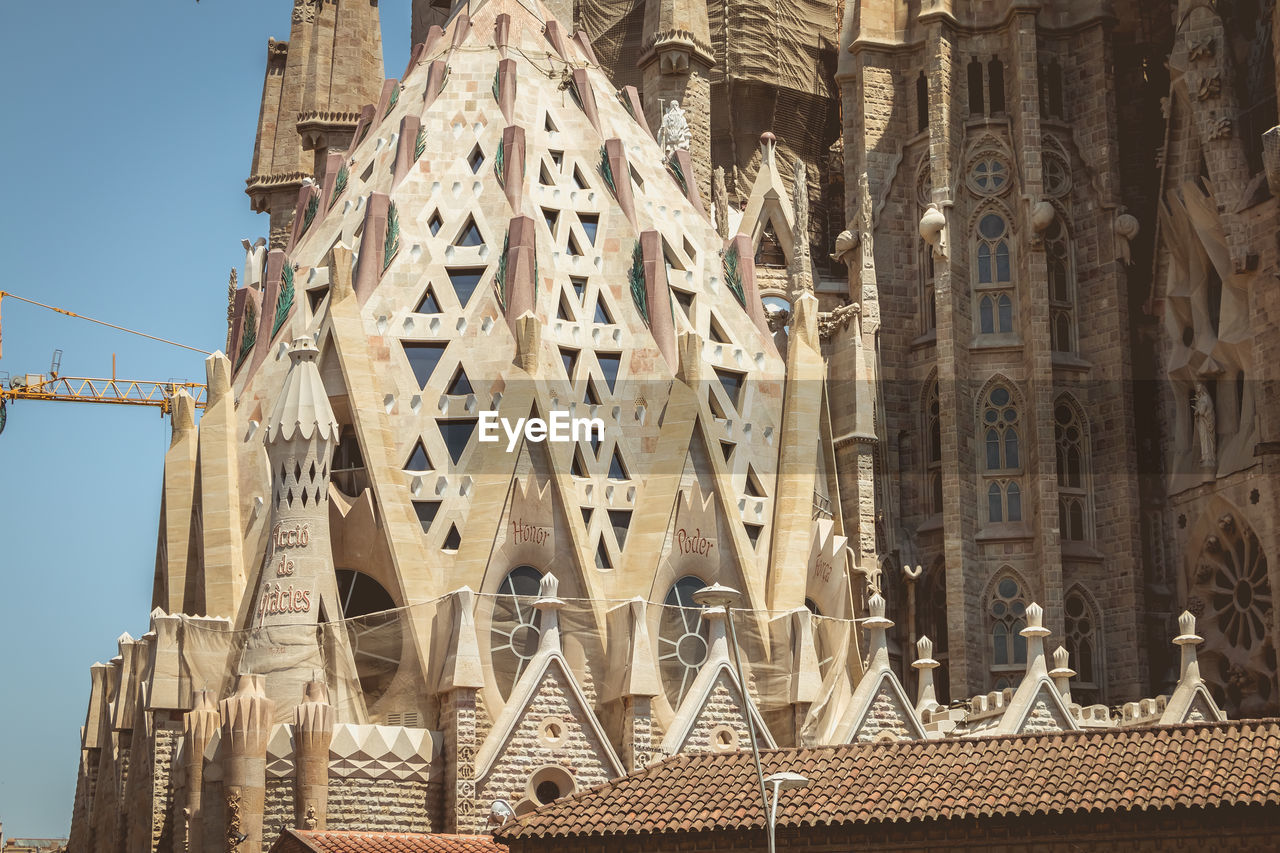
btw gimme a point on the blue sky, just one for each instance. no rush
(126, 141)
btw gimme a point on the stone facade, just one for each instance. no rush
(911, 377)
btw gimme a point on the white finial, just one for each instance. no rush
(1062, 673)
(1188, 640)
(549, 605)
(1035, 632)
(926, 697)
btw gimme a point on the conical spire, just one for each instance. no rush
(302, 409)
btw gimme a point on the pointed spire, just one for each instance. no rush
(1188, 640)
(1035, 632)
(877, 629)
(303, 405)
(926, 698)
(1062, 673)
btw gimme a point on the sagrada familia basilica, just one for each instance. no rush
(944, 332)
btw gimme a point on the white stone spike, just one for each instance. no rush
(926, 696)
(1188, 640)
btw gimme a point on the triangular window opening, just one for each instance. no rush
(587, 512)
(689, 251)
(315, 297)
(423, 358)
(617, 470)
(557, 157)
(602, 314)
(610, 363)
(461, 385)
(579, 287)
(548, 125)
(669, 255)
(452, 541)
(635, 177)
(552, 218)
(754, 489)
(717, 410)
(418, 462)
(564, 312)
(429, 303)
(717, 332)
(476, 160)
(753, 533)
(465, 282)
(602, 556)
(578, 468)
(595, 443)
(620, 520)
(684, 299)
(732, 383)
(770, 252)
(469, 235)
(457, 435)
(435, 223)
(579, 181)
(590, 225)
(727, 448)
(573, 249)
(544, 176)
(569, 357)
(589, 396)
(426, 512)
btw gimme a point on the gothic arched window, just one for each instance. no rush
(1002, 455)
(1062, 297)
(933, 450)
(515, 626)
(1006, 614)
(1082, 646)
(931, 622)
(993, 277)
(1071, 443)
(682, 638)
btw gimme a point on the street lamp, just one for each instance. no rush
(718, 595)
(784, 781)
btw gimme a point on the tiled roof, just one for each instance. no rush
(384, 842)
(1117, 770)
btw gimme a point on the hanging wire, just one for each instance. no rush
(65, 312)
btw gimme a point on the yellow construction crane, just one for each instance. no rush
(53, 386)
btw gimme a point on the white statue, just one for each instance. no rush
(1126, 227)
(1206, 426)
(674, 132)
(255, 262)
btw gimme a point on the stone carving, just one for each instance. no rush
(234, 836)
(1201, 48)
(231, 307)
(674, 133)
(933, 229)
(1271, 158)
(720, 202)
(846, 245)
(777, 318)
(1210, 86)
(800, 274)
(1126, 229)
(1042, 216)
(310, 819)
(255, 262)
(872, 574)
(1206, 426)
(1220, 129)
(830, 322)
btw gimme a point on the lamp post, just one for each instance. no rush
(718, 595)
(784, 781)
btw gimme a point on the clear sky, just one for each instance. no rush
(126, 141)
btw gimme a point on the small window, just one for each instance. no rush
(569, 357)
(602, 556)
(435, 223)
(573, 250)
(732, 383)
(753, 533)
(579, 287)
(617, 470)
(552, 218)
(418, 461)
(578, 180)
(590, 396)
(995, 82)
(578, 468)
(476, 160)
(1007, 610)
(684, 299)
(620, 520)
(426, 512)
(423, 359)
(465, 281)
(428, 304)
(610, 364)
(469, 235)
(460, 386)
(602, 314)
(977, 104)
(922, 103)
(590, 223)
(457, 435)
(452, 540)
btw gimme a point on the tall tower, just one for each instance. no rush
(1004, 329)
(314, 88)
(676, 66)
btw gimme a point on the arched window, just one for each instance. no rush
(922, 103)
(515, 626)
(1006, 613)
(1082, 646)
(928, 290)
(931, 622)
(977, 105)
(1062, 297)
(1002, 455)
(1072, 465)
(933, 450)
(995, 83)
(374, 631)
(682, 638)
(993, 277)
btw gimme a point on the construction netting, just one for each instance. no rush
(389, 667)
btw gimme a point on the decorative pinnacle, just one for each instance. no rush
(548, 593)
(877, 620)
(1061, 657)
(1035, 622)
(924, 648)
(1187, 627)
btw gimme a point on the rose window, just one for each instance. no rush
(1233, 574)
(988, 176)
(516, 625)
(682, 639)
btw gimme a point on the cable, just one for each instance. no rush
(4, 293)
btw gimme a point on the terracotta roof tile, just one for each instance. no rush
(1132, 769)
(385, 842)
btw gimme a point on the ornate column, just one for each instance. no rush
(198, 726)
(313, 732)
(246, 728)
